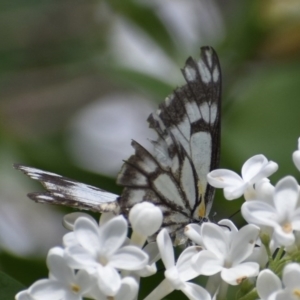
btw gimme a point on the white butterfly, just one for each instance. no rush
(174, 176)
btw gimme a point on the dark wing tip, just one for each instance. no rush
(17, 166)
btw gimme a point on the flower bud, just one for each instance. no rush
(145, 218)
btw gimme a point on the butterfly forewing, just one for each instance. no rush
(186, 150)
(64, 191)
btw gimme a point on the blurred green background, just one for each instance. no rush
(79, 78)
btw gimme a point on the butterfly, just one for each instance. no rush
(173, 177)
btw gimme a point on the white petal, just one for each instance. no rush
(193, 232)
(112, 235)
(267, 283)
(282, 237)
(296, 159)
(165, 247)
(78, 257)
(129, 258)
(253, 166)
(128, 290)
(243, 243)
(24, 295)
(286, 195)
(195, 292)
(109, 280)
(237, 274)
(296, 156)
(147, 271)
(222, 178)
(84, 281)
(296, 219)
(207, 263)
(70, 219)
(87, 234)
(258, 167)
(259, 255)
(69, 239)
(264, 191)
(184, 263)
(58, 266)
(291, 276)
(270, 168)
(260, 213)
(283, 295)
(153, 252)
(214, 239)
(235, 192)
(47, 289)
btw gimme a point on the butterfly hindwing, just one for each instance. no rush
(64, 191)
(186, 150)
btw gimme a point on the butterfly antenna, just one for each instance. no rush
(235, 213)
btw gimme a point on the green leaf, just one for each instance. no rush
(9, 287)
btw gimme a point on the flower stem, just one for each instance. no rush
(252, 295)
(222, 290)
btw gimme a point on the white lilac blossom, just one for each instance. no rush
(101, 249)
(283, 215)
(63, 282)
(225, 253)
(177, 274)
(253, 170)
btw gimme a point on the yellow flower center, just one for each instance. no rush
(296, 292)
(287, 227)
(75, 288)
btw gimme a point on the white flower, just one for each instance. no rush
(291, 281)
(63, 282)
(267, 284)
(253, 170)
(145, 219)
(177, 275)
(101, 248)
(283, 216)
(296, 156)
(69, 220)
(127, 291)
(225, 253)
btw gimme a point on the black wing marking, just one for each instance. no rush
(64, 191)
(187, 148)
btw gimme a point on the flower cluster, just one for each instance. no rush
(258, 261)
